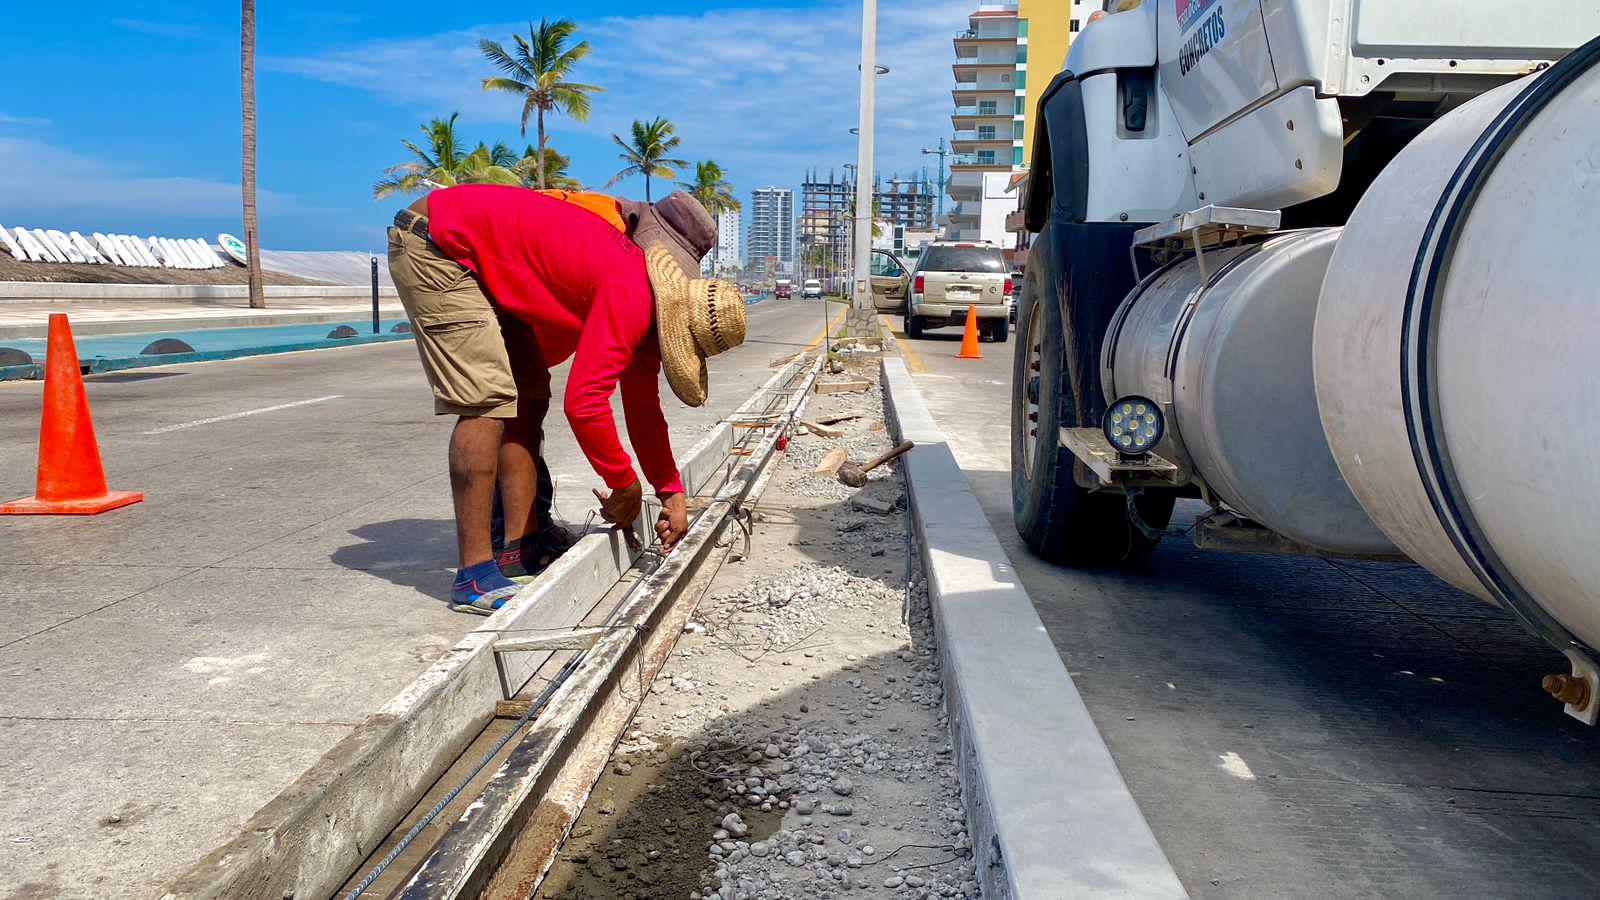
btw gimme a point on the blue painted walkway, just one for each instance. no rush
(113, 352)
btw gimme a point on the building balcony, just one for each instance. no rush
(963, 210)
(966, 143)
(970, 66)
(968, 117)
(989, 37)
(1002, 92)
(965, 186)
(975, 163)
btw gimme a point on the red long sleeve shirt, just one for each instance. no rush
(581, 286)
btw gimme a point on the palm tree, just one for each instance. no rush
(555, 169)
(247, 179)
(445, 163)
(711, 189)
(647, 154)
(714, 193)
(538, 71)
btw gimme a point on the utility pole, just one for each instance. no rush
(843, 247)
(862, 320)
(941, 152)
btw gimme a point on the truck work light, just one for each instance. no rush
(1133, 425)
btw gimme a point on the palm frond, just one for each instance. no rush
(574, 103)
(496, 54)
(515, 85)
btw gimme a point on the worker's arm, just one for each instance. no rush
(647, 429)
(618, 323)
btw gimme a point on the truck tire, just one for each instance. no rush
(913, 326)
(1065, 304)
(999, 330)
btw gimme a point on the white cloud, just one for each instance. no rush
(38, 178)
(768, 93)
(23, 121)
(172, 30)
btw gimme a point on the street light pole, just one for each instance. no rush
(843, 247)
(862, 321)
(941, 153)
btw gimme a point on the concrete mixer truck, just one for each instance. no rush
(1331, 267)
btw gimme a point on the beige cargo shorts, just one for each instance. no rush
(462, 341)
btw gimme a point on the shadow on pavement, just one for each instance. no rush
(414, 553)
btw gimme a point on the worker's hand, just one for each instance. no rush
(673, 521)
(621, 506)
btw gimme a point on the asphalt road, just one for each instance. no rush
(1298, 727)
(167, 668)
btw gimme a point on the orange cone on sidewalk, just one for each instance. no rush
(969, 341)
(71, 479)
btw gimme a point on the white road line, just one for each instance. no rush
(240, 415)
(1234, 765)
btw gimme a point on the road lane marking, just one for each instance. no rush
(1234, 765)
(913, 360)
(830, 329)
(239, 415)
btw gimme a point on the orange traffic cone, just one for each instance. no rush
(969, 341)
(71, 479)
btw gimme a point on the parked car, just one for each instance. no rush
(891, 280)
(954, 275)
(811, 289)
(783, 288)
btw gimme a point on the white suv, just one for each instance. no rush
(952, 276)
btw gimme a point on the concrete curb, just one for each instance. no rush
(308, 840)
(1048, 811)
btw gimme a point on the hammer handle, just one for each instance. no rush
(892, 454)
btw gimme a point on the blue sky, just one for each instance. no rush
(125, 116)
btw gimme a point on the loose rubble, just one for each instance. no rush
(794, 745)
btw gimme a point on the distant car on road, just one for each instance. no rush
(811, 289)
(783, 288)
(953, 275)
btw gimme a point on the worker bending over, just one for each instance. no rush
(501, 283)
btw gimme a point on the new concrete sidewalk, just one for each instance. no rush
(102, 309)
(1049, 812)
(170, 667)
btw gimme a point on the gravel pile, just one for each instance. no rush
(867, 808)
(864, 437)
(794, 746)
(780, 612)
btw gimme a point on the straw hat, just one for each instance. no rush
(695, 318)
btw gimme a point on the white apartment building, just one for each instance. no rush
(995, 94)
(771, 234)
(726, 255)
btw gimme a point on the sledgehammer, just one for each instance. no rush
(855, 475)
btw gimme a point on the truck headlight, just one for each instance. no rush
(1134, 425)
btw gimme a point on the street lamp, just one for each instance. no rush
(862, 319)
(941, 152)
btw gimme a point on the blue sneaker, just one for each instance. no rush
(481, 589)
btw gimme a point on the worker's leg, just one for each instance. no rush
(519, 453)
(545, 498)
(475, 446)
(464, 356)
